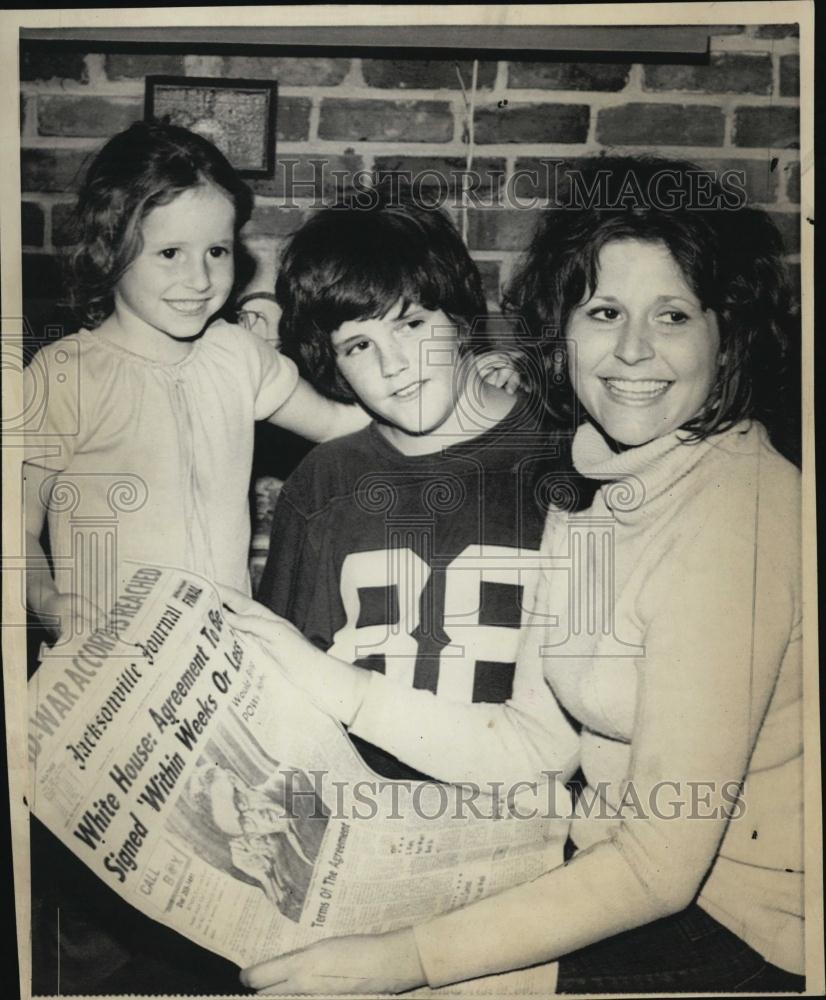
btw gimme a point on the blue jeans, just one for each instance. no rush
(689, 952)
(87, 940)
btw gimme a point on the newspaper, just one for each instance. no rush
(175, 759)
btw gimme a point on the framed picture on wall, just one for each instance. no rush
(237, 115)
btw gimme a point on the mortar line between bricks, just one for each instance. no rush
(692, 99)
(489, 254)
(48, 227)
(487, 97)
(728, 124)
(633, 85)
(566, 152)
(459, 114)
(775, 73)
(73, 88)
(591, 137)
(516, 97)
(721, 152)
(391, 147)
(312, 124)
(79, 98)
(50, 198)
(355, 74)
(779, 207)
(548, 150)
(734, 155)
(68, 142)
(31, 116)
(271, 202)
(96, 69)
(500, 78)
(388, 96)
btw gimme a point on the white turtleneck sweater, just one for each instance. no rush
(668, 622)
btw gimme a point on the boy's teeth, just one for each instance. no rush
(408, 390)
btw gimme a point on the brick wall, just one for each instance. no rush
(741, 111)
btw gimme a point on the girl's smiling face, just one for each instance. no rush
(643, 353)
(184, 271)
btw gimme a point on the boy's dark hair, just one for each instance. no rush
(729, 254)
(147, 165)
(350, 263)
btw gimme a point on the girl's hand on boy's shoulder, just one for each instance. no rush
(501, 369)
(260, 315)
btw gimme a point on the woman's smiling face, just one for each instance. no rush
(643, 353)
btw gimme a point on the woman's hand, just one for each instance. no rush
(363, 963)
(284, 641)
(336, 686)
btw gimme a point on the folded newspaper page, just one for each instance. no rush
(178, 762)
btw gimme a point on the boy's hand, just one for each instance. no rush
(500, 369)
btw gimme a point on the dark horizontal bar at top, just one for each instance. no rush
(685, 39)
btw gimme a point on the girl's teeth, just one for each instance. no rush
(187, 307)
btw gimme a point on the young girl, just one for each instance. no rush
(145, 450)
(679, 650)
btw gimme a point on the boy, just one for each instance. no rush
(407, 548)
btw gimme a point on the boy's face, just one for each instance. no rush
(403, 367)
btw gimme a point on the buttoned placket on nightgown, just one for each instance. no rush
(197, 537)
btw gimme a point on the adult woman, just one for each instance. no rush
(680, 652)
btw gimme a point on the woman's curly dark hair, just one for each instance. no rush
(147, 165)
(730, 255)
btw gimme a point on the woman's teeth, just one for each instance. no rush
(636, 389)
